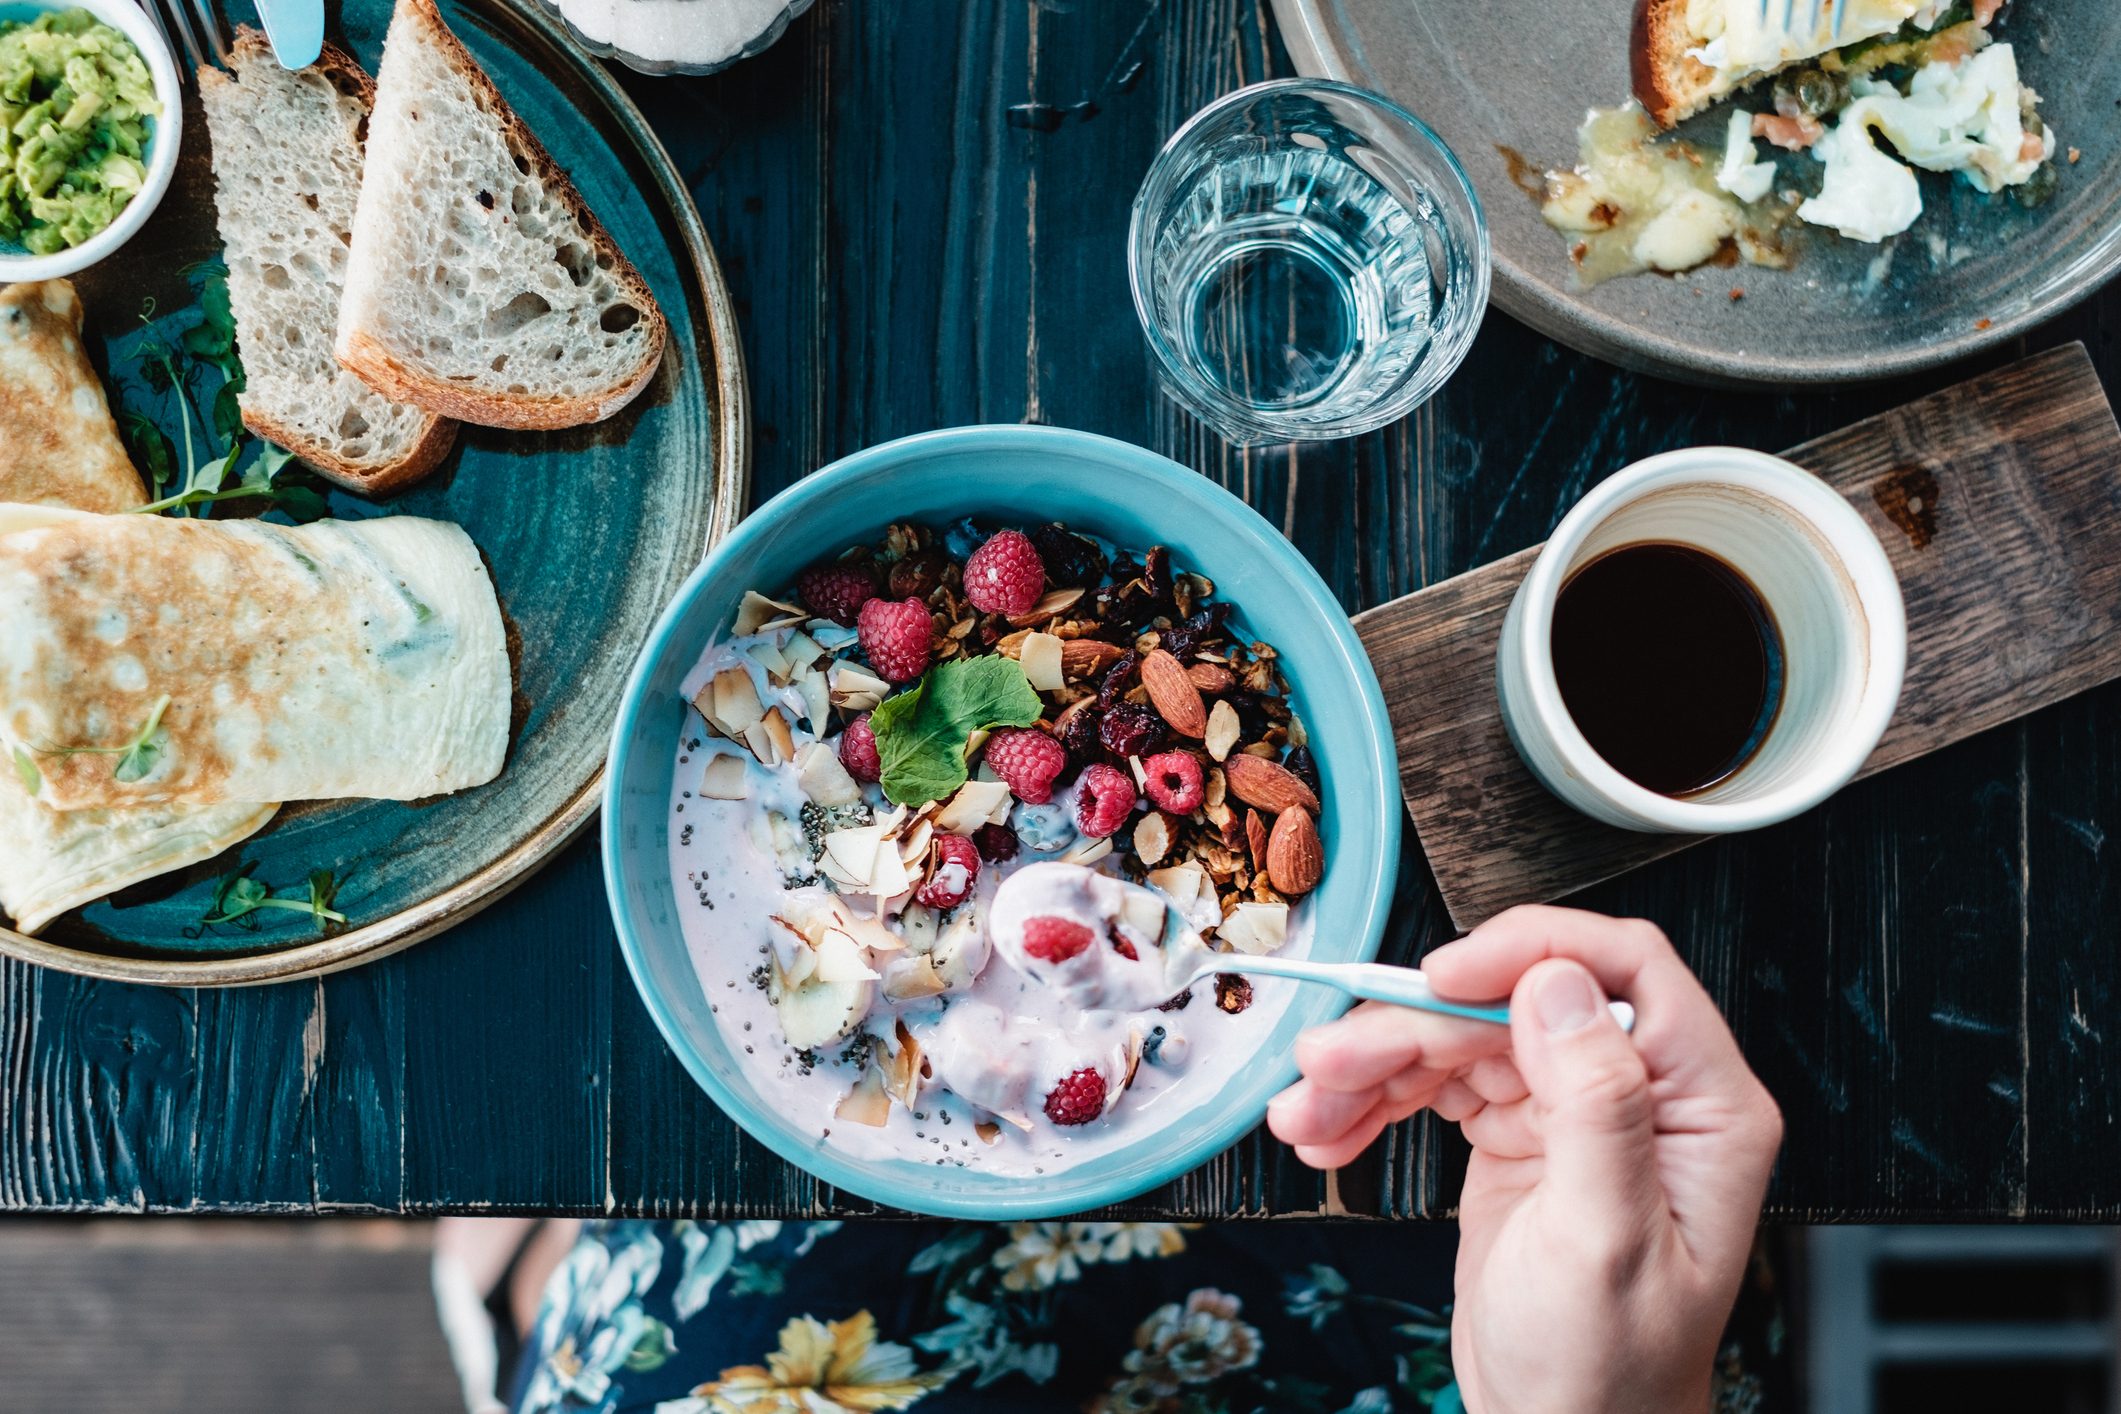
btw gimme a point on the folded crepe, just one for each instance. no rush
(62, 447)
(65, 451)
(244, 661)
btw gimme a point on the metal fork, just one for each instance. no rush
(1812, 10)
(192, 29)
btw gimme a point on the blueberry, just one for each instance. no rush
(963, 538)
(1043, 829)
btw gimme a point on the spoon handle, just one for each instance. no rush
(1379, 982)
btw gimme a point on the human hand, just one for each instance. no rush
(1615, 1182)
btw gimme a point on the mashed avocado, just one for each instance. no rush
(75, 97)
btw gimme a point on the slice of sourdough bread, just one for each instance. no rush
(480, 286)
(1672, 38)
(287, 171)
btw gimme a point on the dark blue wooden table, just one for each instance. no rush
(921, 206)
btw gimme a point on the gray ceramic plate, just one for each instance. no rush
(588, 532)
(1518, 76)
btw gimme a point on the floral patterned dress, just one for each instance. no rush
(1108, 1318)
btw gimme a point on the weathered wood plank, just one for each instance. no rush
(2013, 595)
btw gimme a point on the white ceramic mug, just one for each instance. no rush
(1824, 577)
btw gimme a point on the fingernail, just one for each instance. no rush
(1566, 1000)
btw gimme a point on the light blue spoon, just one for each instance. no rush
(1371, 981)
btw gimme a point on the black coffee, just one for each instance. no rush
(1670, 662)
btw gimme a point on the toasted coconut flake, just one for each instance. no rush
(724, 778)
(823, 778)
(1181, 883)
(1223, 730)
(906, 1068)
(1152, 837)
(1014, 1120)
(757, 613)
(913, 845)
(1088, 852)
(855, 689)
(1041, 662)
(767, 654)
(910, 978)
(841, 959)
(850, 854)
(887, 875)
(918, 923)
(867, 1103)
(733, 705)
(1137, 1041)
(977, 803)
(817, 699)
(1256, 927)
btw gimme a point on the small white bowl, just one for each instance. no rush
(1824, 576)
(165, 137)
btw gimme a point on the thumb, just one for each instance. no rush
(1590, 1089)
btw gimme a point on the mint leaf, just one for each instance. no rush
(32, 778)
(921, 733)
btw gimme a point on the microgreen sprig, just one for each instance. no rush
(239, 899)
(137, 758)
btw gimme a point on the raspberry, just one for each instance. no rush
(896, 635)
(1174, 782)
(1027, 760)
(997, 843)
(1103, 800)
(837, 591)
(1078, 1099)
(1005, 575)
(1131, 729)
(1051, 939)
(956, 871)
(858, 750)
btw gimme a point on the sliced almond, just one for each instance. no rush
(1040, 659)
(1051, 605)
(1223, 730)
(1152, 837)
(1256, 838)
(757, 613)
(724, 778)
(1297, 735)
(1295, 857)
(1141, 774)
(1173, 694)
(1267, 785)
(1088, 657)
(987, 1130)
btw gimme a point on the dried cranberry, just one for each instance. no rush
(1305, 766)
(1071, 560)
(1131, 729)
(1177, 1003)
(1156, 574)
(1118, 678)
(1080, 735)
(1185, 640)
(1232, 992)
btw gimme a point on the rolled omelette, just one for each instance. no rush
(254, 661)
(64, 450)
(62, 447)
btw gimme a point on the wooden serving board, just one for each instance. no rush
(1999, 503)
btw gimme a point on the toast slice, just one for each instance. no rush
(1686, 54)
(287, 172)
(479, 285)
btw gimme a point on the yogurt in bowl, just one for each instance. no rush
(938, 806)
(996, 1053)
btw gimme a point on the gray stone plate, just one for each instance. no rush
(1975, 270)
(588, 533)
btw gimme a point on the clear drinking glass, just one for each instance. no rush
(1308, 260)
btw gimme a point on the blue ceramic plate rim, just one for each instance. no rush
(1054, 1194)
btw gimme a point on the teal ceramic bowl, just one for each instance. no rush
(1026, 475)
